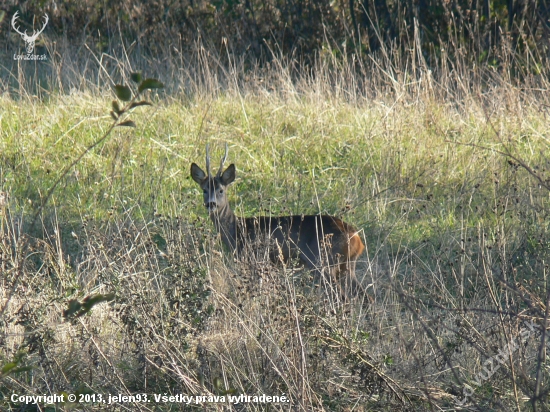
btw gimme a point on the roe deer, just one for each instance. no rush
(314, 239)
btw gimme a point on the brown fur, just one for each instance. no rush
(317, 240)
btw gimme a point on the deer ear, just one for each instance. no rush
(197, 174)
(229, 175)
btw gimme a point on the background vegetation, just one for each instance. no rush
(301, 28)
(423, 124)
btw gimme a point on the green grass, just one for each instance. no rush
(402, 170)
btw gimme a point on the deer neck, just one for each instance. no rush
(225, 222)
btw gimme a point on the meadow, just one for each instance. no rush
(443, 171)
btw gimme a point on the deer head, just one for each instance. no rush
(215, 196)
(29, 40)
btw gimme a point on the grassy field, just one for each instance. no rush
(456, 236)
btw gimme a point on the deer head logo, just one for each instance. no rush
(29, 40)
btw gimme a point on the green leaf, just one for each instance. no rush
(114, 115)
(116, 107)
(150, 84)
(127, 123)
(8, 367)
(123, 92)
(136, 77)
(142, 103)
(78, 309)
(218, 383)
(159, 241)
(74, 306)
(90, 301)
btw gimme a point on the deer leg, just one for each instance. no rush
(310, 260)
(352, 285)
(320, 261)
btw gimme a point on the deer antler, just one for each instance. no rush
(13, 21)
(207, 160)
(224, 158)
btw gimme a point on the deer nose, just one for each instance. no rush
(211, 205)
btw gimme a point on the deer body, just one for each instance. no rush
(319, 241)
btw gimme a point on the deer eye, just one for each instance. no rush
(204, 191)
(221, 191)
